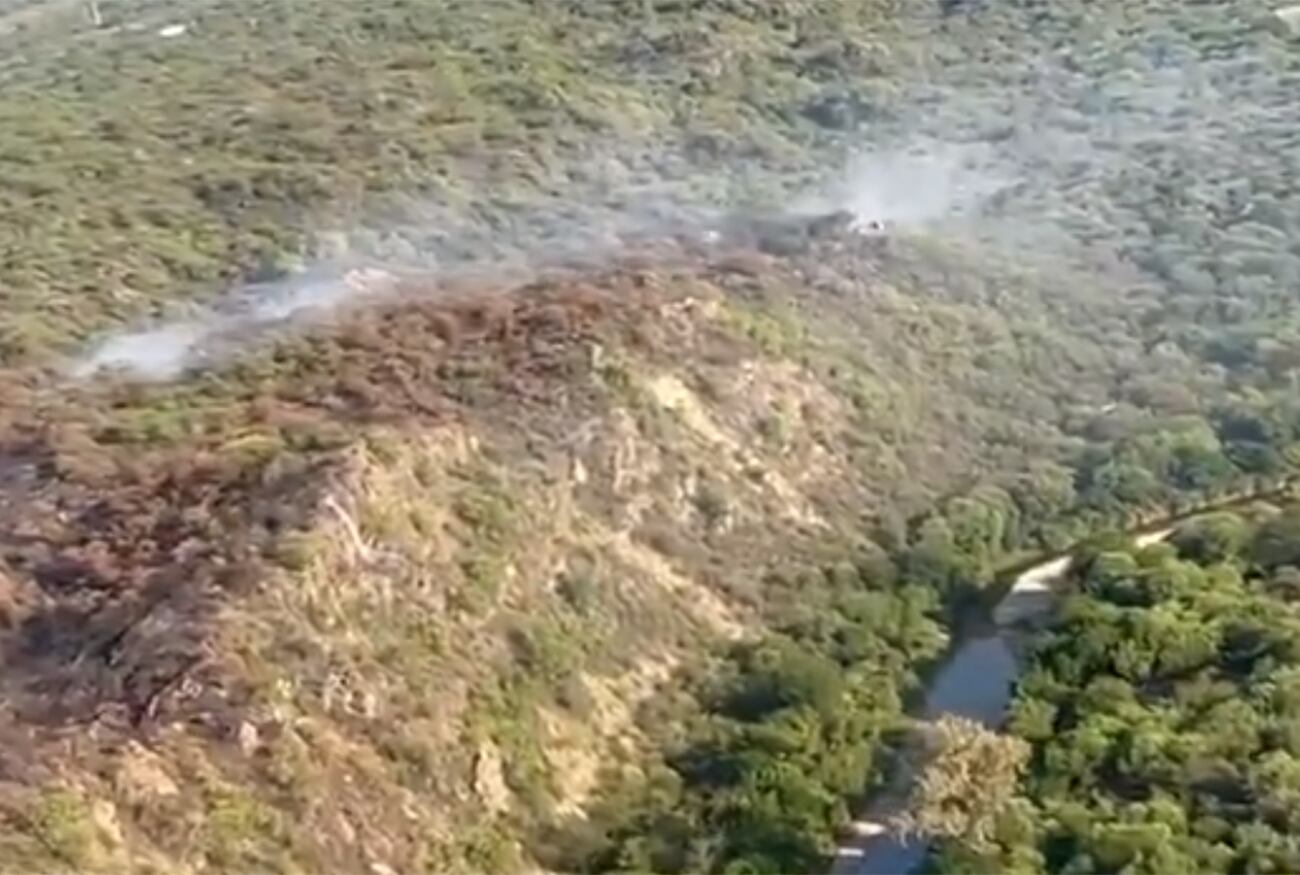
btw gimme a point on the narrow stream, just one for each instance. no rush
(976, 681)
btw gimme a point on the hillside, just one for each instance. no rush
(639, 478)
(367, 554)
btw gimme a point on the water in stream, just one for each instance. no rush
(975, 682)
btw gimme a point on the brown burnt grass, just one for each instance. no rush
(400, 361)
(134, 518)
(117, 550)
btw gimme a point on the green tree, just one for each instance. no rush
(1212, 538)
(1277, 542)
(780, 673)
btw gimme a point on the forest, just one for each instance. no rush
(625, 533)
(1161, 712)
(1133, 701)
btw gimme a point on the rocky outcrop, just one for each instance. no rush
(1286, 21)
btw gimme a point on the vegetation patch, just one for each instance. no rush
(1159, 713)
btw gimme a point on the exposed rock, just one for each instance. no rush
(103, 814)
(489, 780)
(14, 600)
(1286, 21)
(248, 737)
(141, 777)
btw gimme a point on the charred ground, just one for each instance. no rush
(159, 537)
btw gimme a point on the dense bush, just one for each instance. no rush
(789, 731)
(1162, 709)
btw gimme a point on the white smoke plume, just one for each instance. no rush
(924, 183)
(165, 351)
